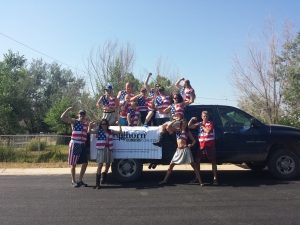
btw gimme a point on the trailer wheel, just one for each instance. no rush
(126, 170)
(284, 164)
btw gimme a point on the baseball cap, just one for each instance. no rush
(82, 112)
(108, 87)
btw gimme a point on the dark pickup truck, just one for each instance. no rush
(240, 138)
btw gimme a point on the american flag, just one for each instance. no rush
(105, 100)
(104, 140)
(122, 96)
(158, 101)
(151, 93)
(141, 103)
(173, 110)
(79, 132)
(77, 148)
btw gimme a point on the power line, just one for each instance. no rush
(39, 52)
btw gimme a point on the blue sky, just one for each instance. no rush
(195, 39)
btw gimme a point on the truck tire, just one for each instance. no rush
(126, 170)
(284, 165)
(256, 166)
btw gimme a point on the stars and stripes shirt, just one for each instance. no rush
(104, 139)
(123, 94)
(108, 101)
(162, 102)
(181, 135)
(177, 108)
(134, 116)
(124, 109)
(79, 131)
(206, 139)
(142, 103)
(187, 94)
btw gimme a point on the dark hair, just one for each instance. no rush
(187, 83)
(178, 97)
(103, 121)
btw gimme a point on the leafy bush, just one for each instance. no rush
(36, 145)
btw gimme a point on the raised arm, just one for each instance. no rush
(177, 84)
(192, 123)
(146, 85)
(65, 116)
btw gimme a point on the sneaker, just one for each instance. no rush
(75, 185)
(145, 125)
(81, 183)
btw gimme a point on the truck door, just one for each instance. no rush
(240, 141)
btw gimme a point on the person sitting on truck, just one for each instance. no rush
(142, 101)
(206, 138)
(133, 114)
(109, 104)
(104, 146)
(162, 102)
(128, 91)
(177, 108)
(77, 148)
(183, 153)
(186, 90)
(123, 110)
(153, 92)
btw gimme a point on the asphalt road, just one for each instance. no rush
(243, 197)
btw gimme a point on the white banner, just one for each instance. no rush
(132, 143)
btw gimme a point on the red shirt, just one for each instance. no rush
(206, 139)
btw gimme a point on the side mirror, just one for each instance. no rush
(254, 123)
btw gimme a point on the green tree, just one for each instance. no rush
(289, 67)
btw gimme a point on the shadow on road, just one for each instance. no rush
(150, 179)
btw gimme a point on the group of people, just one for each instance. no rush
(152, 106)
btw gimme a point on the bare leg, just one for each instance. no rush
(169, 171)
(148, 117)
(82, 171)
(214, 169)
(99, 169)
(73, 173)
(197, 173)
(107, 166)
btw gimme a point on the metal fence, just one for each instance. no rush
(20, 141)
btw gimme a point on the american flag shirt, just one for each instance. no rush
(108, 101)
(142, 103)
(124, 109)
(123, 94)
(162, 102)
(134, 116)
(177, 108)
(187, 93)
(104, 139)
(206, 139)
(79, 131)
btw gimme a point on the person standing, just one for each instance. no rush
(109, 104)
(77, 149)
(104, 147)
(206, 138)
(128, 91)
(183, 153)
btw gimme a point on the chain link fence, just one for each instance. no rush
(21, 141)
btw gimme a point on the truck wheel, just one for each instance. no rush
(126, 170)
(284, 165)
(256, 166)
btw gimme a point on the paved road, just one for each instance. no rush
(242, 198)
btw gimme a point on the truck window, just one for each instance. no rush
(234, 119)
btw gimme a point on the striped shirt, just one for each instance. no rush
(104, 139)
(79, 131)
(206, 139)
(177, 108)
(134, 116)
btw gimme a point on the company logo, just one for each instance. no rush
(131, 136)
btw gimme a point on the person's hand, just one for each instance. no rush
(194, 118)
(150, 74)
(190, 145)
(182, 79)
